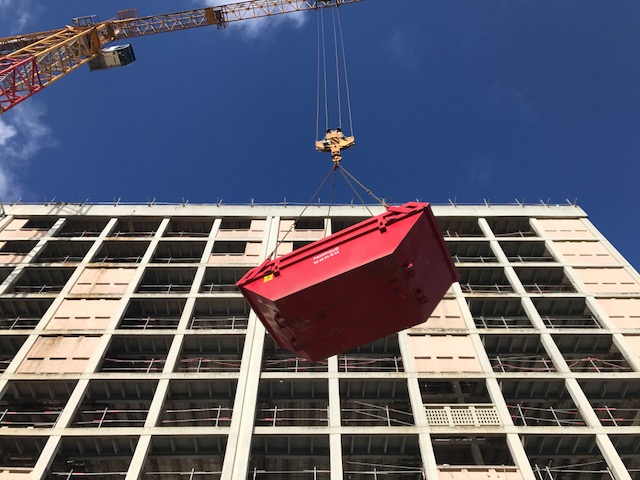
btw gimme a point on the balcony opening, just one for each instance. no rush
(179, 252)
(511, 227)
(563, 312)
(382, 355)
(82, 227)
(42, 280)
(628, 447)
(152, 314)
(309, 223)
(289, 457)
(375, 403)
(292, 403)
(459, 227)
(220, 314)
(540, 403)
(205, 403)
(566, 457)
(477, 453)
(119, 251)
(211, 353)
(189, 227)
(136, 227)
(544, 280)
(15, 251)
(367, 457)
(22, 314)
(616, 402)
(166, 280)
(40, 223)
(338, 224)
(185, 457)
(517, 353)
(118, 403)
(275, 359)
(93, 457)
(235, 224)
(222, 279)
(28, 404)
(526, 251)
(5, 272)
(503, 313)
(63, 251)
(229, 248)
(139, 354)
(471, 252)
(20, 454)
(484, 280)
(9, 346)
(592, 353)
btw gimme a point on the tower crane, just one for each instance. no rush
(30, 62)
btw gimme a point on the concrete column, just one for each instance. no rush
(47, 455)
(612, 458)
(139, 457)
(335, 419)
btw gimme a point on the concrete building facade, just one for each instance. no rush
(126, 352)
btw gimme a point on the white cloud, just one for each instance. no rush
(22, 135)
(257, 27)
(16, 13)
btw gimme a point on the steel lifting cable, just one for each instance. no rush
(272, 254)
(346, 73)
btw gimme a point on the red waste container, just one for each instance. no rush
(370, 280)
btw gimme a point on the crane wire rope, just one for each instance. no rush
(272, 254)
(346, 73)
(338, 83)
(322, 60)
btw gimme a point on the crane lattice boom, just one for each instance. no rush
(30, 62)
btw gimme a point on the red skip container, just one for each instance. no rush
(365, 282)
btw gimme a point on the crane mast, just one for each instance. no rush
(31, 62)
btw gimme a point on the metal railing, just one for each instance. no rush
(112, 417)
(166, 288)
(570, 321)
(486, 288)
(292, 364)
(285, 416)
(371, 414)
(513, 321)
(143, 365)
(521, 363)
(145, 323)
(218, 416)
(358, 363)
(542, 288)
(17, 323)
(474, 259)
(20, 419)
(549, 416)
(218, 363)
(222, 322)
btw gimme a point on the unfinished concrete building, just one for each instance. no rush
(126, 352)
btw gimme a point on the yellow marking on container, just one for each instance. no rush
(268, 278)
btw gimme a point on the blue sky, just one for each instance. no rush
(465, 99)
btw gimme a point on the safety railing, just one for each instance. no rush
(118, 259)
(223, 322)
(474, 259)
(139, 365)
(362, 363)
(579, 470)
(80, 473)
(289, 416)
(164, 288)
(513, 321)
(37, 288)
(542, 288)
(29, 419)
(218, 287)
(218, 363)
(217, 416)
(306, 474)
(570, 321)
(486, 288)
(112, 417)
(527, 416)
(530, 259)
(18, 323)
(60, 259)
(600, 364)
(521, 363)
(618, 417)
(356, 413)
(145, 323)
(176, 259)
(292, 365)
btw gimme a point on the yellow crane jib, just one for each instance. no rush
(334, 142)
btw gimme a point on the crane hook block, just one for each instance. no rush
(334, 142)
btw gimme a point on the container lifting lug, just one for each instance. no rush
(334, 142)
